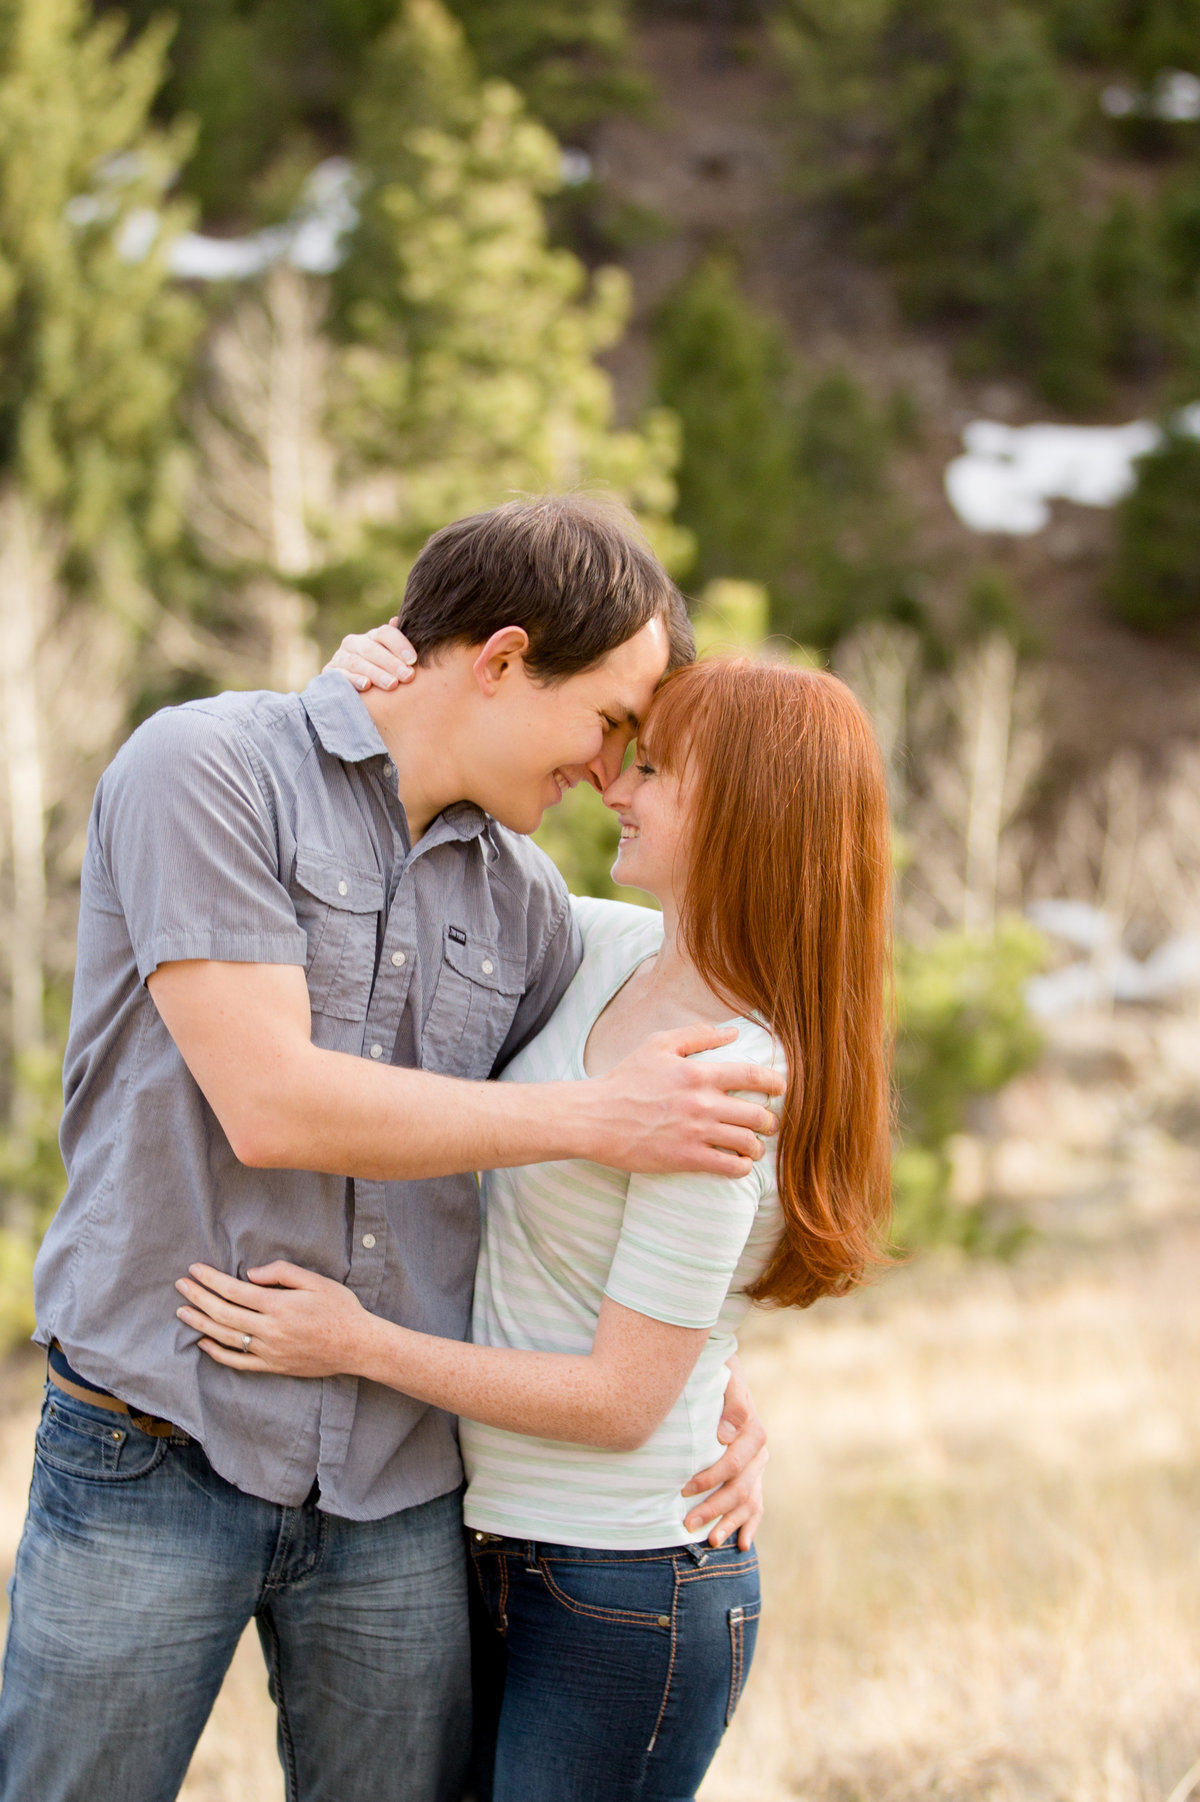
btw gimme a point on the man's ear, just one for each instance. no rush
(503, 648)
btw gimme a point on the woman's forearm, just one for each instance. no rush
(548, 1395)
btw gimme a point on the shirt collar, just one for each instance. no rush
(347, 731)
(341, 721)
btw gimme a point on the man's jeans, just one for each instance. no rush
(139, 1568)
(605, 1674)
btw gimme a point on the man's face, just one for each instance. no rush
(539, 740)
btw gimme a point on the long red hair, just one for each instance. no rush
(786, 911)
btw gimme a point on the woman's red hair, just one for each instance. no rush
(786, 911)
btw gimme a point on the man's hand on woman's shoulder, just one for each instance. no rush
(661, 1110)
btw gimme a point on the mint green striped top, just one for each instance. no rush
(559, 1237)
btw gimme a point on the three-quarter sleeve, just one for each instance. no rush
(183, 836)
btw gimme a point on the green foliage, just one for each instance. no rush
(725, 371)
(1131, 277)
(1140, 40)
(951, 133)
(852, 560)
(780, 483)
(467, 370)
(94, 343)
(964, 1031)
(31, 1185)
(1154, 582)
(272, 83)
(569, 58)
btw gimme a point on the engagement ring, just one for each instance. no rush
(245, 1342)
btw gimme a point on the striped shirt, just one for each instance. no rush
(559, 1237)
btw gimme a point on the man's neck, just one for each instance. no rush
(415, 723)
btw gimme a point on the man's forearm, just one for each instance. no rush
(332, 1112)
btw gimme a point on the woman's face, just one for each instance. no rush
(654, 812)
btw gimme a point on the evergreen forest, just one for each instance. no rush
(285, 285)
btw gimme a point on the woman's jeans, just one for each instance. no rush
(605, 1676)
(139, 1569)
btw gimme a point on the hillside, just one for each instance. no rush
(712, 166)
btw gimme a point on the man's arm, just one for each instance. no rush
(243, 1031)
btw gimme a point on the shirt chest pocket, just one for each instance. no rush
(339, 909)
(472, 1008)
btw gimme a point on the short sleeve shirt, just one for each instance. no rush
(266, 828)
(560, 1237)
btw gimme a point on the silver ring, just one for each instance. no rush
(245, 1342)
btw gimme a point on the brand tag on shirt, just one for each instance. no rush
(457, 934)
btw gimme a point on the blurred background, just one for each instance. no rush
(884, 315)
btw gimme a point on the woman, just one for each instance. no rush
(606, 1305)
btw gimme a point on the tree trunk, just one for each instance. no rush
(25, 591)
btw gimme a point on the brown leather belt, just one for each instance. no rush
(145, 1423)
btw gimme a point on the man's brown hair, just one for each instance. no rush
(574, 571)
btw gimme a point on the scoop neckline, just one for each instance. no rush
(611, 993)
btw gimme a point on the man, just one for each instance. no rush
(310, 926)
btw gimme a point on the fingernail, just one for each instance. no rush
(360, 682)
(179, 1313)
(388, 681)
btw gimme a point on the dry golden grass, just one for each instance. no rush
(981, 1562)
(981, 1558)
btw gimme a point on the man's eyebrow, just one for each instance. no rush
(620, 708)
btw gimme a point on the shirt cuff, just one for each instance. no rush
(288, 947)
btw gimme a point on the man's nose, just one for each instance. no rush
(605, 769)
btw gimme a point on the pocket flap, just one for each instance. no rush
(338, 884)
(482, 963)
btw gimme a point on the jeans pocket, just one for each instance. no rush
(743, 1631)
(627, 1591)
(98, 1446)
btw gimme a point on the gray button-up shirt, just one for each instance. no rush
(266, 828)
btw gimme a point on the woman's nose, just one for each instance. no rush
(617, 790)
(605, 770)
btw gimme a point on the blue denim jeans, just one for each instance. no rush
(605, 1675)
(137, 1572)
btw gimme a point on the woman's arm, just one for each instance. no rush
(305, 1325)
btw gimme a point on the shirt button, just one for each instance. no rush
(377, 1051)
(487, 966)
(398, 958)
(368, 1240)
(343, 889)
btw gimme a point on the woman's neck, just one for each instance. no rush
(671, 975)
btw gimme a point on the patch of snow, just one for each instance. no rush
(135, 239)
(313, 239)
(1118, 101)
(1078, 922)
(576, 166)
(1110, 974)
(1175, 97)
(1009, 474)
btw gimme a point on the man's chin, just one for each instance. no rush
(524, 820)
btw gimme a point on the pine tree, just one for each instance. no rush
(468, 370)
(93, 346)
(724, 370)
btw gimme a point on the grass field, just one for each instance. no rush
(981, 1559)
